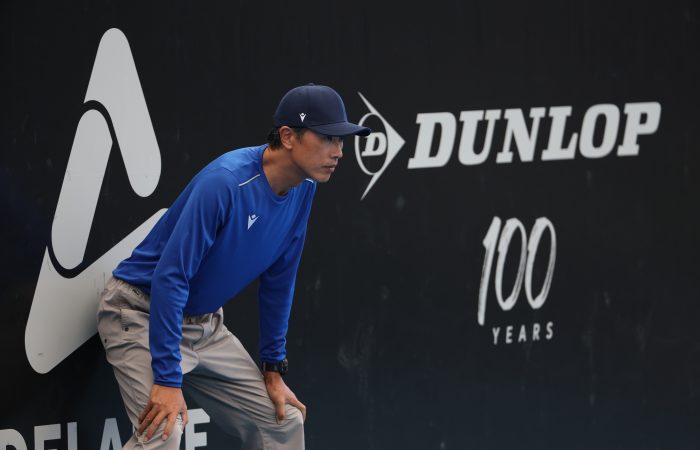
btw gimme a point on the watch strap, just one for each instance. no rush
(281, 367)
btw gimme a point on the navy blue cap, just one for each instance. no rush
(318, 108)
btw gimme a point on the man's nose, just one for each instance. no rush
(338, 150)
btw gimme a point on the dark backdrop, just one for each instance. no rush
(384, 343)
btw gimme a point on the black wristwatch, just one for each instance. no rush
(280, 367)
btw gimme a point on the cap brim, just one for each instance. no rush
(340, 129)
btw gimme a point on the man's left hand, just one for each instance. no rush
(281, 395)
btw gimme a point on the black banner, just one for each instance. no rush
(508, 261)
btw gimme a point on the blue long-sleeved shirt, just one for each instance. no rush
(224, 230)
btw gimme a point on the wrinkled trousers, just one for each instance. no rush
(219, 374)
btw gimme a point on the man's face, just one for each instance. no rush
(317, 155)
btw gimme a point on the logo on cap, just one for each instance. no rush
(302, 116)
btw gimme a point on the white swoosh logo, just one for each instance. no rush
(62, 315)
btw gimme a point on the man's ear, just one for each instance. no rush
(286, 136)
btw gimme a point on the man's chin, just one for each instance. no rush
(321, 178)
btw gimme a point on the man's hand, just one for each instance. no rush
(280, 395)
(164, 403)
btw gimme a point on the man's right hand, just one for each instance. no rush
(163, 403)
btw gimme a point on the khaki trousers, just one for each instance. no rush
(219, 374)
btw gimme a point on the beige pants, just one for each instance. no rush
(219, 374)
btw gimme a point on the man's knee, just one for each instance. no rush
(293, 421)
(138, 441)
(292, 412)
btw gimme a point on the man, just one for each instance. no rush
(242, 217)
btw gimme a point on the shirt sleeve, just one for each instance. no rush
(275, 296)
(206, 210)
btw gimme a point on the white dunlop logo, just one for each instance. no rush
(640, 119)
(377, 144)
(501, 239)
(62, 316)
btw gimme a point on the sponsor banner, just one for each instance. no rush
(431, 152)
(507, 261)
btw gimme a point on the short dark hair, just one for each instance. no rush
(273, 137)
